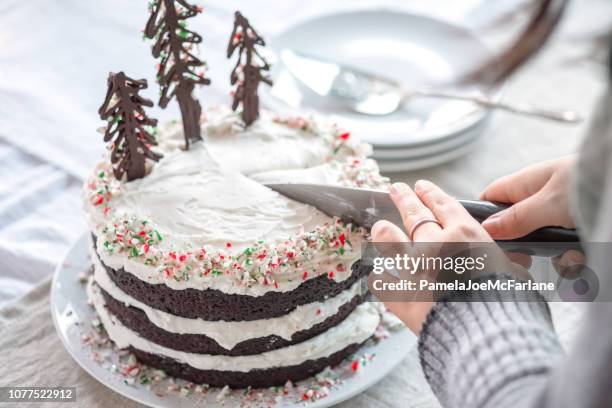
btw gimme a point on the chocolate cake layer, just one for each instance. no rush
(237, 379)
(212, 304)
(137, 320)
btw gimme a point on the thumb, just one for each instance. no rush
(520, 219)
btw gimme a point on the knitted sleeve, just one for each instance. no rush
(480, 349)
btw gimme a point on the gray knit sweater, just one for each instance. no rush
(506, 354)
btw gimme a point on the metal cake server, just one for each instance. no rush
(365, 206)
(373, 94)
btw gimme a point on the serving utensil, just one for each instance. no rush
(374, 94)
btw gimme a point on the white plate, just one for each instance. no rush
(72, 316)
(430, 149)
(413, 49)
(417, 163)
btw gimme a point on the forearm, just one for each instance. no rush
(477, 353)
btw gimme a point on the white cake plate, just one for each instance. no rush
(412, 49)
(72, 317)
(388, 166)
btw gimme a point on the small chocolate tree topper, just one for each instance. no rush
(127, 126)
(179, 70)
(249, 69)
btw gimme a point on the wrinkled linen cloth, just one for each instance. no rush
(54, 59)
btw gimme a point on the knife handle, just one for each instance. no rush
(566, 238)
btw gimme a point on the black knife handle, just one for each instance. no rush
(565, 237)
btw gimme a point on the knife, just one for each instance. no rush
(366, 206)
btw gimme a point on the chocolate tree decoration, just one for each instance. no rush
(249, 69)
(127, 126)
(176, 72)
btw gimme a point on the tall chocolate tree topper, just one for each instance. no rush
(249, 69)
(127, 127)
(177, 72)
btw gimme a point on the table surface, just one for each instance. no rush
(54, 59)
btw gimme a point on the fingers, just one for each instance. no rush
(445, 208)
(569, 263)
(388, 239)
(523, 260)
(385, 231)
(522, 218)
(520, 185)
(413, 314)
(413, 210)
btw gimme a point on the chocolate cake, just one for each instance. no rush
(204, 272)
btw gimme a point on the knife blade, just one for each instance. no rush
(365, 207)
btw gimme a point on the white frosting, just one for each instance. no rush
(193, 201)
(321, 174)
(263, 146)
(356, 328)
(212, 195)
(228, 334)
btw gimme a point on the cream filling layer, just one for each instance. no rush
(228, 334)
(356, 328)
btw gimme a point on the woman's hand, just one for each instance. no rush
(539, 195)
(427, 201)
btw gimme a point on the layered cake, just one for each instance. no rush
(202, 271)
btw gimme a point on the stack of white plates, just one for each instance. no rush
(430, 144)
(413, 50)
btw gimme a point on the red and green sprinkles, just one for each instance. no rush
(298, 122)
(360, 172)
(334, 135)
(102, 187)
(135, 238)
(355, 170)
(261, 263)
